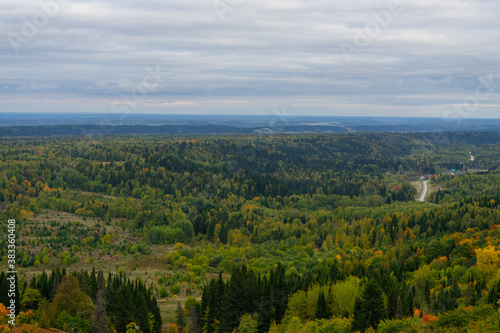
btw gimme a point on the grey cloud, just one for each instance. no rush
(263, 52)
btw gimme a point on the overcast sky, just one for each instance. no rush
(340, 58)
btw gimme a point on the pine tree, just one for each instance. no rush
(494, 294)
(142, 313)
(280, 292)
(210, 310)
(120, 302)
(180, 321)
(333, 272)
(358, 322)
(241, 296)
(44, 286)
(266, 309)
(211, 326)
(93, 285)
(321, 310)
(100, 318)
(371, 308)
(219, 294)
(156, 315)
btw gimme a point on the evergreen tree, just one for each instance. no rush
(219, 294)
(120, 304)
(266, 309)
(93, 284)
(44, 285)
(280, 292)
(180, 318)
(371, 308)
(358, 323)
(321, 309)
(494, 294)
(209, 305)
(333, 272)
(156, 315)
(241, 296)
(100, 318)
(211, 326)
(142, 312)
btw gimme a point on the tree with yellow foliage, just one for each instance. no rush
(3, 314)
(487, 260)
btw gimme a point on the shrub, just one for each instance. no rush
(175, 289)
(399, 325)
(198, 270)
(462, 316)
(163, 292)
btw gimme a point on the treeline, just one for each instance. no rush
(376, 296)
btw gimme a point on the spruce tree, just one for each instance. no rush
(494, 294)
(179, 313)
(333, 272)
(210, 311)
(120, 304)
(93, 285)
(156, 315)
(321, 310)
(280, 292)
(100, 318)
(241, 296)
(371, 308)
(44, 286)
(142, 313)
(266, 309)
(358, 323)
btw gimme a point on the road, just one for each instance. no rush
(424, 191)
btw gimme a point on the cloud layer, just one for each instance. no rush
(377, 57)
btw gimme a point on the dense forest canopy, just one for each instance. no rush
(255, 233)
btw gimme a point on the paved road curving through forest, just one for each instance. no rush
(424, 191)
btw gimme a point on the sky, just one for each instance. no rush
(306, 57)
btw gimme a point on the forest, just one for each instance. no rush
(253, 232)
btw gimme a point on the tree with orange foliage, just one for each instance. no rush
(3, 314)
(172, 329)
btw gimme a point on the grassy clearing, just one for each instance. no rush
(106, 257)
(418, 185)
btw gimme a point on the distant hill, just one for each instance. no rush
(36, 124)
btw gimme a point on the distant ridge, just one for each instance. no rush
(83, 130)
(78, 130)
(41, 124)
